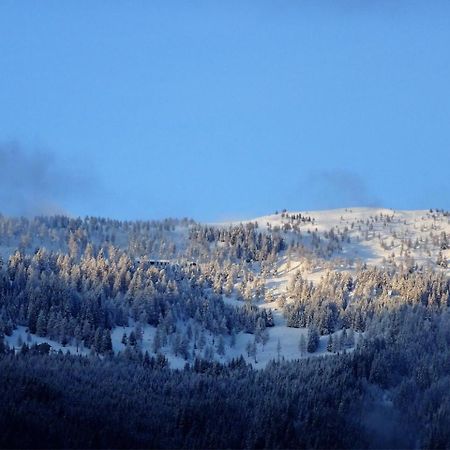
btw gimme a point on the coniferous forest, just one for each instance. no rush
(225, 224)
(158, 335)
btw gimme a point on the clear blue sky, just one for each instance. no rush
(227, 109)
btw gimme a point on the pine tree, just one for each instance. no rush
(41, 324)
(313, 339)
(176, 344)
(259, 329)
(351, 338)
(73, 246)
(87, 333)
(330, 343)
(107, 347)
(264, 337)
(157, 344)
(78, 336)
(201, 341)
(344, 338)
(98, 340)
(184, 347)
(32, 317)
(269, 319)
(302, 344)
(132, 341)
(147, 361)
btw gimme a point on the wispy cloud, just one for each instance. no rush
(35, 182)
(338, 188)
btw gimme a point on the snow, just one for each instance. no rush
(370, 242)
(404, 225)
(288, 337)
(20, 334)
(148, 333)
(401, 227)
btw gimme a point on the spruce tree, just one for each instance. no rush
(330, 343)
(313, 339)
(41, 324)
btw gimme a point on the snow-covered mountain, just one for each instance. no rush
(371, 235)
(311, 245)
(344, 314)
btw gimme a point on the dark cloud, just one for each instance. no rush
(35, 182)
(338, 188)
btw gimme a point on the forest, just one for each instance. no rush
(383, 380)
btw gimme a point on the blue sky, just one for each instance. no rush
(218, 110)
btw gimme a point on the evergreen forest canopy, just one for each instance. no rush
(159, 334)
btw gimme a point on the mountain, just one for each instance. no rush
(287, 292)
(249, 265)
